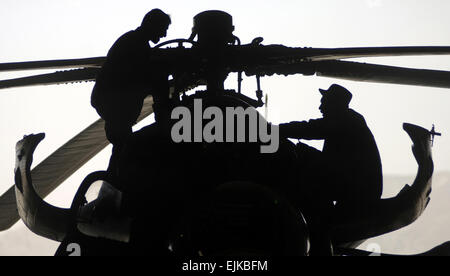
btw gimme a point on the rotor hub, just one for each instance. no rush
(214, 28)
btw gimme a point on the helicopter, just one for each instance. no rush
(253, 59)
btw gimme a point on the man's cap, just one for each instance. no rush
(337, 93)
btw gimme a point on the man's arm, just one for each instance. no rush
(311, 130)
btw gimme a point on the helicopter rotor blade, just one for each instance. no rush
(364, 72)
(277, 55)
(310, 54)
(321, 54)
(95, 62)
(62, 77)
(440, 250)
(251, 57)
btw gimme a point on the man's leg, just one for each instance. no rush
(162, 110)
(317, 206)
(118, 136)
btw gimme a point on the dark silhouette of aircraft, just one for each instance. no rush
(217, 198)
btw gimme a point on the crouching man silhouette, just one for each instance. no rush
(347, 172)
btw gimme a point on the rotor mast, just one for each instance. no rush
(214, 31)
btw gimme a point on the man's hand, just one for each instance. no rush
(292, 129)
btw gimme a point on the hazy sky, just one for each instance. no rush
(46, 29)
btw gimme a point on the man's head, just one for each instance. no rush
(155, 25)
(334, 100)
